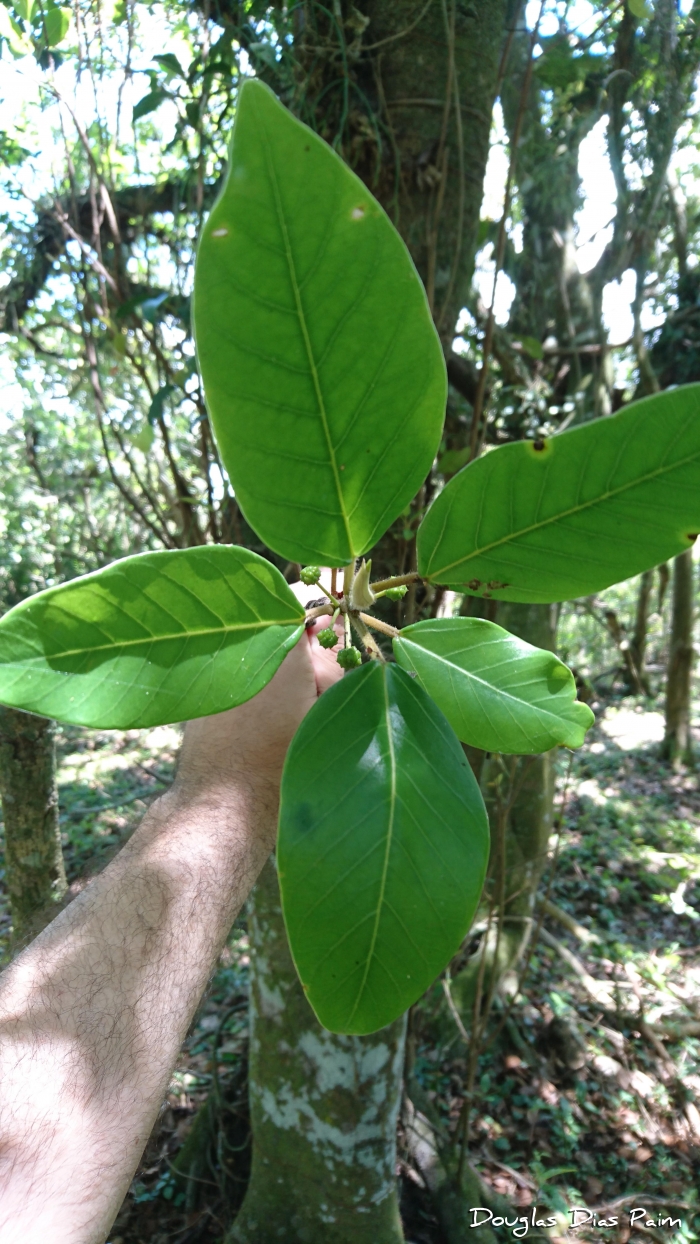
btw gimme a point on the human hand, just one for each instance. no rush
(249, 743)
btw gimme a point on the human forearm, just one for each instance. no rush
(93, 1014)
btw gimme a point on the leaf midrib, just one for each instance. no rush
(158, 639)
(507, 695)
(557, 518)
(307, 343)
(387, 849)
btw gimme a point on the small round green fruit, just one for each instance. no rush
(310, 575)
(396, 593)
(327, 637)
(349, 658)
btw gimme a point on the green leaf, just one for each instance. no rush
(559, 68)
(148, 103)
(382, 848)
(497, 692)
(150, 307)
(155, 410)
(12, 32)
(453, 460)
(640, 8)
(56, 23)
(532, 347)
(144, 438)
(324, 375)
(169, 62)
(155, 638)
(25, 8)
(556, 519)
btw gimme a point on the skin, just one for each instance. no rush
(94, 1012)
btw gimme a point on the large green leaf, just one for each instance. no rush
(323, 373)
(382, 848)
(552, 520)
(56, 24)
(496, 691)
(153, 638)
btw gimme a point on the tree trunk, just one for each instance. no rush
(419, 122)
(638, 644)
(323, 1109)
(677, 744)
(34, 874)
(519, 795)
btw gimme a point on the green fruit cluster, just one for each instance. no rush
(327, 637)
(349, 658)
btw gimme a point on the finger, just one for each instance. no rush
(326, 668)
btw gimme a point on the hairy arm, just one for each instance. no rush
(94, 1011)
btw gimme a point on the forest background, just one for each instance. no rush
(541, 162)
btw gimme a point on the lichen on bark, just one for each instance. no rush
(323, 1108)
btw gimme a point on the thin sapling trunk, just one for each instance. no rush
(34, 873)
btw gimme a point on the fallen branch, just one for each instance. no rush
(600, 991)
(453, 1010)
(579, 930)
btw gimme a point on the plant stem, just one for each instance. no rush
(330, 595)
(368, 641)
(375, 623)
(397, 581)
(317, 612)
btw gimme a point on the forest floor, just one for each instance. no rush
(586, 1093)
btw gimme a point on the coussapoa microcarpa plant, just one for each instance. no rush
(326, 385)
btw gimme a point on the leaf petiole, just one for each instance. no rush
(317, 612)
(331, 597)
(375, 623)
(397, 581)
(369, 643)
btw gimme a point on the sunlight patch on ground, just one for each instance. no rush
(90, 766)
(630, 727)
(591, 790)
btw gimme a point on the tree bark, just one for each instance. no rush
(519, 795)
(417, 128)
(677, 744)
(34, 874)
(638, 644)
(323, 1109)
